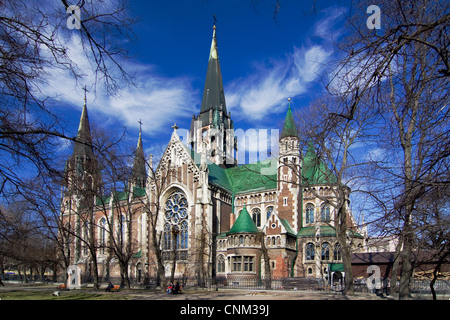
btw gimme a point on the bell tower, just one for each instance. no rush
(289, 173)
(82, 181)
(212, 131)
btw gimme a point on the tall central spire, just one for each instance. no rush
(212, 131)
(213, 94)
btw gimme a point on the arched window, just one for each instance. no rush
(337, 255)
(176, 227)
(220, 263)
(325, 251)
(184, 235)
(257, 217)
(167, 236)
(102, 234)
(325, 213)
(309, 213)
(310, 251)
(269, 211)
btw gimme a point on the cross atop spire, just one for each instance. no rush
(85, 90)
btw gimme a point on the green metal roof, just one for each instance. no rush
(325, 231)
(314, 171)
(243, 224)
(253, 177)
(121, 195)
(250, 177)
(287, 227)
(289, 128)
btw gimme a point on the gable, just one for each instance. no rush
(176, 151)
(277, 225)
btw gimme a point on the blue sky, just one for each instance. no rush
(264, 61)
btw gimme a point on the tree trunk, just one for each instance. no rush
(267, 271)
(407, 267)
(125, 279)
(341, 230)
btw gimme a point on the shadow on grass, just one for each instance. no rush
(63, 295)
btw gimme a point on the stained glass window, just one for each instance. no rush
(176, 228)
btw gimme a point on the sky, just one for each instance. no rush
(268, 53)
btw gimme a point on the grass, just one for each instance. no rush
(46, 294)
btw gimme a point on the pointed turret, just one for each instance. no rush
(139, 173)
(83, 144)
(289, 128)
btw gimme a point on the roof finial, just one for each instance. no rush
(140, 125)
(85, 90)
(174, 127)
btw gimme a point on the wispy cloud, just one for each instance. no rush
(262, 93)
(156, 100)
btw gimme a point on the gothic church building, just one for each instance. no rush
(207, 215)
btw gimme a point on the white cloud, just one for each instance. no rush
(263, 92)
(155, 99)
(330, 26)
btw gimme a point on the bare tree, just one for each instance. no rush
(404, 70)
(33, 40)
(332, 141)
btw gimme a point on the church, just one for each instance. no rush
(197, 213)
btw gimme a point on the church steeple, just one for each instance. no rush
(83, 144)
(212, 131)
(138, 173)
(213, 94)
(289, 173)
(289, 128)
(82, 174)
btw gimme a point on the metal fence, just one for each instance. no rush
(246, 283)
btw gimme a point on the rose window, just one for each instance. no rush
(175, 221)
